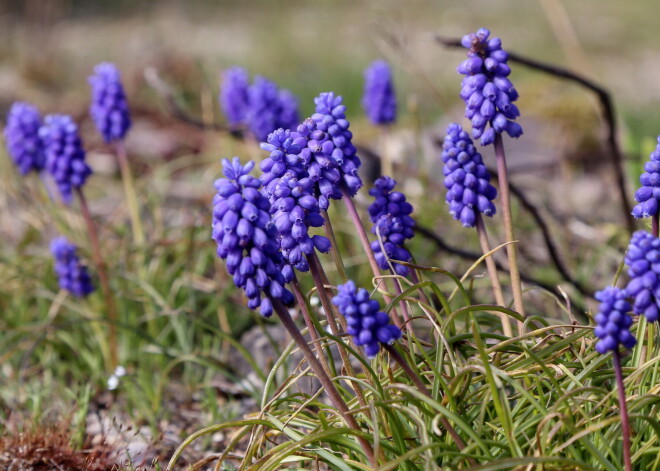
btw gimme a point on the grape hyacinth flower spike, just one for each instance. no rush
(648, 195)
(72, 274)
(486, 90)
(269, 108)
(390, 213)
(109, 108)
(612, 330)
(643, 258)
(469, 196)
(466, 178)
(246, 237)
(234, 95)
(65, 156)
(24, 145)
(367, 324)
(379, 99)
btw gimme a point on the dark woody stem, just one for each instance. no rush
(503, 180)
(623, 410)
(492, 274)
(322, 376)
(103, 278)
(655, 224)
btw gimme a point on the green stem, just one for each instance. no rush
(334, 250)
(503, 179)
(129, 190)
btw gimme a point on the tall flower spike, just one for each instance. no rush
(284, 148)
(390, 213)
(612, 321)
(367, 324)
(109, 108)
(330, 118)
(65, 156)
(648, 196)
(73, 276)
(379, 100)
(294, 210)
(643, 258)
(246, 237)
(486, 90)
(24, 145)
(234, 95)
(466, 178)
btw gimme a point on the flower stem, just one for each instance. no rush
(334, 250)
(322, 376)
(623, 410)
(503, 179)
(492, 274)
(129, 189)
(655, 224)
(103, 278)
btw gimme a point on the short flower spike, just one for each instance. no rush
(109, 108)
(379, 99)
(613, 321)
(72, 275)
(24, 145)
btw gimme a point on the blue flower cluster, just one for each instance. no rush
(65, 156)
(294, 210)
(246, 237)
(367, 324)
(390, 213)
(261, 106)
(109, 108)
(648, 195)
(234, 95)
(379, 99)
(330, 118)
(612, 321)
(22, 135)
(643, 258)
(486, 90)
(466, 178)
(73, 276)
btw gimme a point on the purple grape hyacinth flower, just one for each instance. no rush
(612, 321)
(330, 118)
(648, 195)
(294, 210)
(367, 324)
(466, 178)
(234, 95)
(390, 213)
(269, 108)
(24, 145)
(109, 108)
(379, 99)
(486, 90)
(246, 237)
(65, 155)
(643, 258)
(72, 275)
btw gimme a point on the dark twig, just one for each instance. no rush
(472, 256)
(607, 106)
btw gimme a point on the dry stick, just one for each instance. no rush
(322, 376)
(319, 281)
(423, 389)
(103, 278)
(623, 410)
(330, 234)
(503, 180)
(129, 189)
(297, 292)
(607, 105)
(492, 274)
